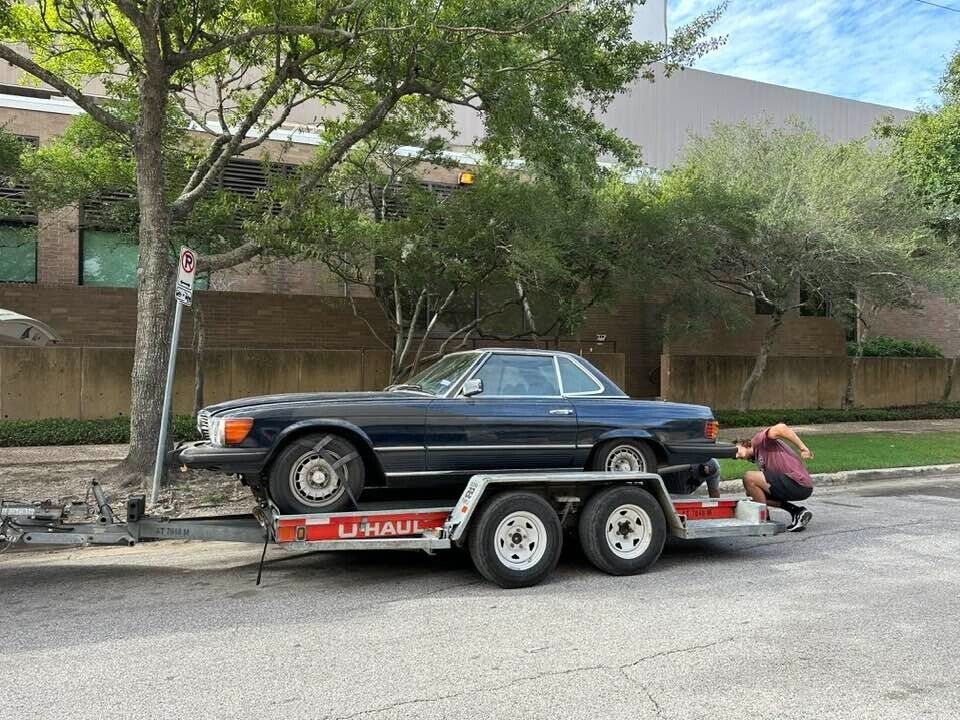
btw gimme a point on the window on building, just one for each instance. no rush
(762, 307)
(18, 229)
(18, 253)
(814, 304)
(108, 259)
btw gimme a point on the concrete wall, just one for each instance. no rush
(88, 382)
(95, 382)
(804, 382)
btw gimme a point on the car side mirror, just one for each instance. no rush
(472, 387)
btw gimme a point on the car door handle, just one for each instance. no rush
(561, 411)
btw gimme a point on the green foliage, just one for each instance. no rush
(64, 431)
(766, 211)
(927, 153)
(883, 346)
(817, 416)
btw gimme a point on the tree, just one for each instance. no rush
(511, 256)
(927, 151)
(791, 222)
(238, 69)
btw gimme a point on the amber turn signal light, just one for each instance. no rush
(711, 430)
(235, 430)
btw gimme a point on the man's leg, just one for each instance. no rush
(713, 479)
(757, 488)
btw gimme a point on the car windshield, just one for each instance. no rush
(438, 378)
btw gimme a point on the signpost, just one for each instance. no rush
(186, 272)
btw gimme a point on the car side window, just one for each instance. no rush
(519, 376)
(574, 379)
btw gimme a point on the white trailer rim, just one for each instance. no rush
(520, 540)
(628, 531)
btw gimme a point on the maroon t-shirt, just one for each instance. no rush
(775, 456)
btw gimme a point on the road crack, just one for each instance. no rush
(622, 669)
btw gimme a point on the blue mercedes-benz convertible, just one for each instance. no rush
(493, 410)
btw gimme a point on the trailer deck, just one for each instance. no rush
(512, 524)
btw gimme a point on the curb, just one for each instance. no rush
(850, 477)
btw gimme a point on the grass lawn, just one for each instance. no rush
(848, 451)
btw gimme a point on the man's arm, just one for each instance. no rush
(785, 432)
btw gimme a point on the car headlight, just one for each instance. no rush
(229, 430)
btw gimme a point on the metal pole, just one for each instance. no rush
(167, 396)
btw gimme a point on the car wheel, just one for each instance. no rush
(515, 540)
(622, 530)
(320, 472)
(624, 456)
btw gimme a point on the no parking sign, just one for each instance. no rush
(186, 271)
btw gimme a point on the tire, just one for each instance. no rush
(317, 473)
(624, 456)
(493, 533)
(622, 530)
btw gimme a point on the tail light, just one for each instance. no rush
(711, 429)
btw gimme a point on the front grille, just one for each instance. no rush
(203, 425)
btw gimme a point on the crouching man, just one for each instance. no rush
(782, 478)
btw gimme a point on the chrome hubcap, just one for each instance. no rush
(520, 540)
(628, 531)
(625, 458)
(318, 478)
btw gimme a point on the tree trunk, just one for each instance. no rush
(746, 392)
(948, 385)
(849, 392)
(155, 276)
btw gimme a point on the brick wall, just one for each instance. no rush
(58, 247)
(798, 336)
(106, 317)
(937, 321)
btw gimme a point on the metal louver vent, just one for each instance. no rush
(99, 211)
(14, 197)
(396, 204)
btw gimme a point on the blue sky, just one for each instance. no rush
(884, 51)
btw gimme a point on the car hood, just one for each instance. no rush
(318, 398)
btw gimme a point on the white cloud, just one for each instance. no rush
(889, 52)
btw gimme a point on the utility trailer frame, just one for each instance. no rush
(512, 523)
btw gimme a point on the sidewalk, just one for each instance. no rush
(891, 426)
(61, 454)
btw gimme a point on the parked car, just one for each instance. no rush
(493, 410)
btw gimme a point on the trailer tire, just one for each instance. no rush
(319, 472)
(515, 540)
(622, 530)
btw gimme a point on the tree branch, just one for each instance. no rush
(231, 258)
(87, 103)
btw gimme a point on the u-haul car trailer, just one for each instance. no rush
(512, 525)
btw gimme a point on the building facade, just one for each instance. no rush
(73, 274)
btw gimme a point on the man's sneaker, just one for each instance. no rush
(799, 520)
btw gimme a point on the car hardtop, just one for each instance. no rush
(608, 389)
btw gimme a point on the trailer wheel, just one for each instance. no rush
(515, 540)
(622, 530)
(320, 472)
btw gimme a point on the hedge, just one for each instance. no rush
(61, 431)
(883, 346)
(759, 418)
(58, 431)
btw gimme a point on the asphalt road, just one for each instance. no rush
(857, 617)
